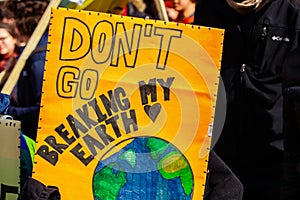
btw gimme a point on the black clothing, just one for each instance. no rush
(25, 103)
(221, 183)
(254, 48)
(291, 93)
(35, 190)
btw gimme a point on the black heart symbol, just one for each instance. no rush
(152, 111)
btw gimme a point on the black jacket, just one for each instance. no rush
(291, 93)
(254, 49)
(28, 91)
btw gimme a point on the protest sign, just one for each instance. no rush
(127, 107)
(9, 158)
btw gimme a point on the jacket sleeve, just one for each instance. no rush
(221, 181)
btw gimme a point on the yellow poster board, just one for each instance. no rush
(127, 107)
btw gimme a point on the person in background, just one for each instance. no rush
(136, 8)
(171, 12)
(9, 50)
(258, 36)
(141, 8)
(291, 109)
(26, 96)
(185, 9)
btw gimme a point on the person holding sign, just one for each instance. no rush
(258, 36)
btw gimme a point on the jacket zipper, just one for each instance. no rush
(264, 33)
(243, 67)
(242, 70)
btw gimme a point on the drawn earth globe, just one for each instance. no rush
(146, 168)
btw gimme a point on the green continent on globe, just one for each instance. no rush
(157, 147)
(129, 156)
(172, 165)
(175, 165)
(107, 184)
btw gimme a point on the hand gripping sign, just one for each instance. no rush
(127, 107)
